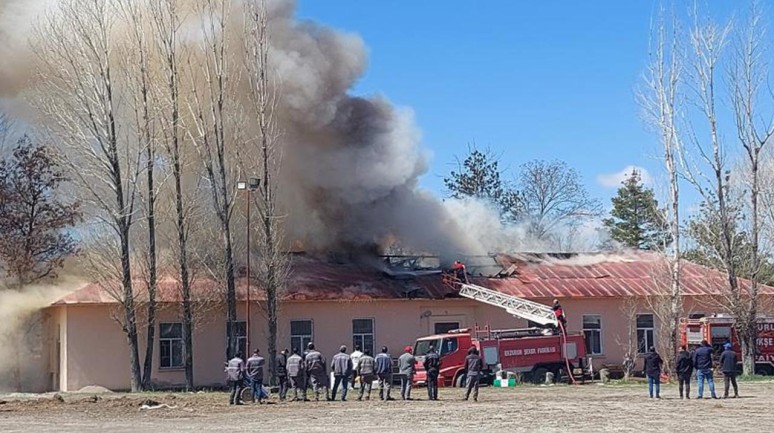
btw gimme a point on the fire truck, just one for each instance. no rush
(720, 329)
(530, 353)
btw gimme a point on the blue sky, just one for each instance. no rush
(528, 79)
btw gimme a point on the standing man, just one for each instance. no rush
(432, 366)
(281, 366)
(384, 373)
(366, 369)
(342, 368)
(728, 361)
(254, 369)
(316, 372)
(473, 367)
(235, 372)
(560, 317)
(702, 362)
(297, 374)
(355, 357)
(653, 363)
(406, 368)
(684, 367)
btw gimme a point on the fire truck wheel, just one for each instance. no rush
(539, 376)
(460, 382)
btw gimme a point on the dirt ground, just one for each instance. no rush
(582, 408)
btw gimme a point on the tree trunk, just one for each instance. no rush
(130, 319)
(231, 314)
(147, 378)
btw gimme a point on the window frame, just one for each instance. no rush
(303, 337)
(435, 327)
(170, 342)
(361, 336)
(648, 340)
(599, 331)
(241, 337)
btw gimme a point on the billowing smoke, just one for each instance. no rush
(22, 329)
(351, 164)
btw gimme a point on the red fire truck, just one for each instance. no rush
(720, 329)
(527, 352)
(530, 353)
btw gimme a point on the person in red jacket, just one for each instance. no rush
(459, 271)
(560, 317)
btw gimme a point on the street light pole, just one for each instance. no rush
(251, 185)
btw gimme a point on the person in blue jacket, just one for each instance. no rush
(702, 362)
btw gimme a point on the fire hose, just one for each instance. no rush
(566, 360)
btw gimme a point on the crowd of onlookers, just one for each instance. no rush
(700, 361)
(298, 373)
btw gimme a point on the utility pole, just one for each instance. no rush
(251, 185)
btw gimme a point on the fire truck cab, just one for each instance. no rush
(529, 353)
(720, 329)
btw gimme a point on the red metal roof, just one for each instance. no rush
(537, 276)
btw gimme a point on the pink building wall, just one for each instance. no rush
(93, 349)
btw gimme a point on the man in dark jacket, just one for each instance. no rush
(384, 373)
(254, 367)
(235, 372)
(432, 366)
(728, 362)
(653, 364)
(296, 368)
(473, 367)
(281, 369)
(702, 362)
(341, 365)
(684, 367)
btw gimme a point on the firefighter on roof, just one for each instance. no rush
(459, 271)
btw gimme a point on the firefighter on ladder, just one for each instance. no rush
(560, 317)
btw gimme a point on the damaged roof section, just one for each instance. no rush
(532, 276)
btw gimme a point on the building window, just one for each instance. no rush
(300, 334)
(363, 334)
(444, 327)
(645, 332)
(170, 345)
(592, 330)
(241, 337)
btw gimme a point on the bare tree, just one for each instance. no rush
(213, 142)
(626, 337)
(139, 78)
(748, 75)
(552, 195)
(79, 94)
(659, 101)
(712, 174)
(272, 260)
(166, 19)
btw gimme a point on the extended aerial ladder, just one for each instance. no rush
(513, 305)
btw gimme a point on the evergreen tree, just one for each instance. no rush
(478, 176)
(636, 220)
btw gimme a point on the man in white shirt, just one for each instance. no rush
(355, 356)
